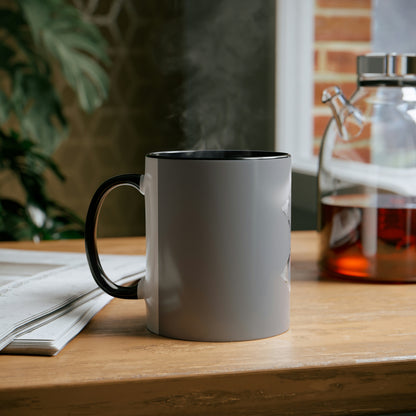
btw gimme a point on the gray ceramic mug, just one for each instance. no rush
(217, 243)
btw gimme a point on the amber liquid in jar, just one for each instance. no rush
(369, 237)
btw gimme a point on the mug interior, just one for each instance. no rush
(218, 154)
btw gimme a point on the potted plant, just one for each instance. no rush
(38, 39)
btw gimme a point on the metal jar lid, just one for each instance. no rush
(390, 65)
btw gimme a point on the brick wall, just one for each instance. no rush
(342, 32)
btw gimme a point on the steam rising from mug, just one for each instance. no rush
(225, 53)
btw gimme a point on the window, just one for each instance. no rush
(294, 67)
(317, 45)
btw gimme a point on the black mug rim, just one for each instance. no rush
(218, 154)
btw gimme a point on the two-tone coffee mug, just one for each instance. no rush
(217, 243)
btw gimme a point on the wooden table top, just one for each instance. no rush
(351, 349)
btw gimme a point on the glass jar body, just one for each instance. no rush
(367, 188)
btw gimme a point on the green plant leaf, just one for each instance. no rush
(38, 108)
(13, 24)
(6, 55)
(34, 34)
(86, 76)
(11, 21)
(40, 217)
(4, 107)
(75, 43)
(14, 221)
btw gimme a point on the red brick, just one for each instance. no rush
(366, 132)
(319, 125)
(316, 59)
(343, 28)
(341, 62)
(358, 153)
(344, 4)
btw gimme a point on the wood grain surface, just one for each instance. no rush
(351, 349)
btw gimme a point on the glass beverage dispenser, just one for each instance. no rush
(367, 174)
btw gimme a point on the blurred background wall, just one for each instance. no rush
(184, 74)
(194, 74)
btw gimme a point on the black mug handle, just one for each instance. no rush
(102, 280)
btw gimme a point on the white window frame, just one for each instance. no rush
(294, 82)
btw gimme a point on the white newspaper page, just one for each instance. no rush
(55, 291)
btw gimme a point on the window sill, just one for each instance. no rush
(306, 166)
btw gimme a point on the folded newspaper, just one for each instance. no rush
(46, 298)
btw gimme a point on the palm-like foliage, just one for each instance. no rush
(36, 39)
